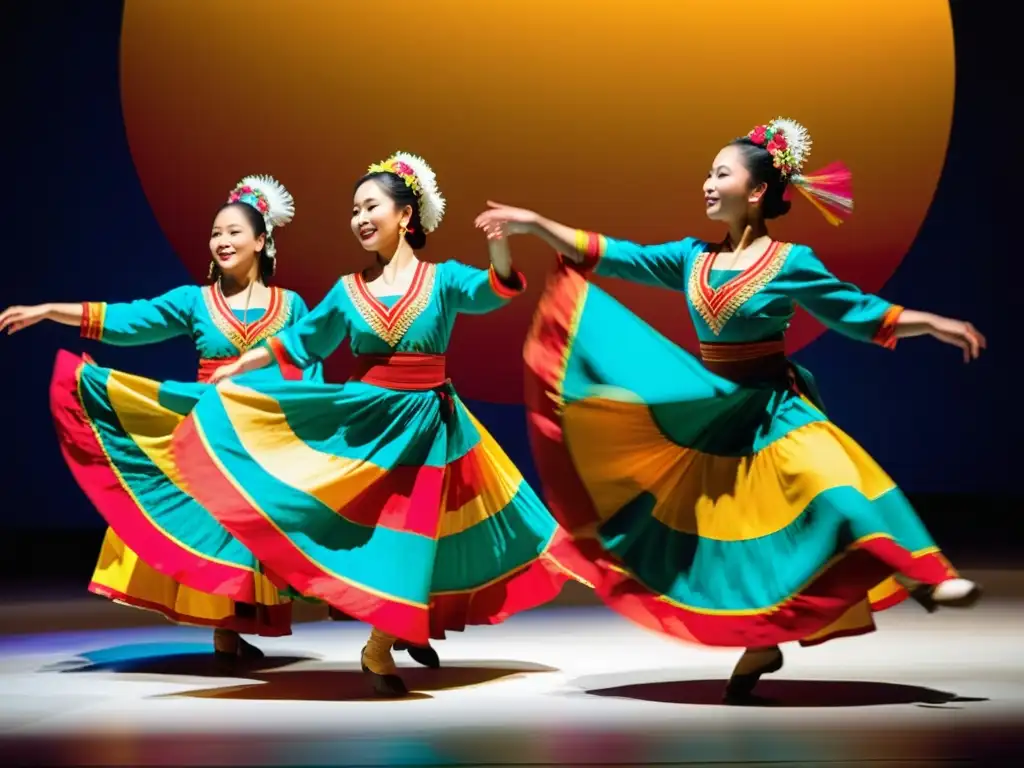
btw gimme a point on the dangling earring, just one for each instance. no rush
(212, 271)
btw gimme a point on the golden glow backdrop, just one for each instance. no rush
(601, 114)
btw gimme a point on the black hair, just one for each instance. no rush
(761, 167)
(267, 263)
(402, 195)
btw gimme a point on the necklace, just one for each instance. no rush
(248, 298)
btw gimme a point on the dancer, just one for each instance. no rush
(115, 428)
(383, 496)
(722, 505)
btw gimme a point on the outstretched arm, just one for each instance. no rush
(845, 308)
(660, 265)
(14, 319)
(145, 321)
(504, 219)
(958, 333)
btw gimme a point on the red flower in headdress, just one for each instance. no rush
(246, 190)
(262, 205)
(758, 135)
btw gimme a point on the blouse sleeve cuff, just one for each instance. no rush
(509, 287)
(885, 336)
(93, 314)
(590, 248)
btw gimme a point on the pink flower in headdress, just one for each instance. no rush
(261, 205)
(778, 140)
(758, 135)
(246, 190)
(403, 169)
(235, 197)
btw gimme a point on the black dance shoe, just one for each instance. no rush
(424, 655)
(739, 691)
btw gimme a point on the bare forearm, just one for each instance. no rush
(252, 360)
(558, 236)
(501, 257)
(255, 359)
(65, 314)
(913, 323)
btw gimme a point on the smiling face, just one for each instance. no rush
(234, 244)
(729, 190)
(377, 222)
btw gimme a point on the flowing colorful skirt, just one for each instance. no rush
(720, 514)
(162, 551)
(394, 506)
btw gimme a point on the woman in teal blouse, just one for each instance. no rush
(382, 496)
(717, 499)
(115, 428)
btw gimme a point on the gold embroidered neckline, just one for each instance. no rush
(717, 305)
(392, 323)
(245, 336)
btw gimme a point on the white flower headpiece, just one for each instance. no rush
(787, 142)
(268, 196)
(420, 178)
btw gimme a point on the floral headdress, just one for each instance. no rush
(420, 178)
(789, 144)
(268, 196)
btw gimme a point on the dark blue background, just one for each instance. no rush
(77, 226)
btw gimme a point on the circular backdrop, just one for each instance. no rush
(604, 115)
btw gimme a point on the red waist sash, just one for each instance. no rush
(401, 370)
(207, 365)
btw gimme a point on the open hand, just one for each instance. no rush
(960, 334)
(15, 318)
(503, 220)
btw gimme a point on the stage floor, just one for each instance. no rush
(562, 686)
